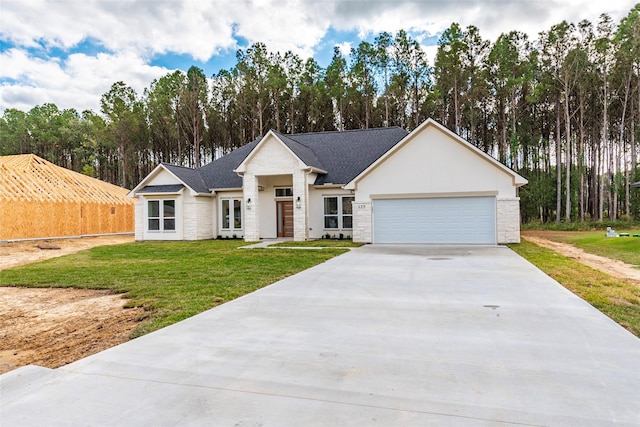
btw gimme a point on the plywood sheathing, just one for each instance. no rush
(28, 177)
(39, 199)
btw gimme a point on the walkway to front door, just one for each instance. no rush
(285, 218)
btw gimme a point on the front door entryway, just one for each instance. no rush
(284, 218)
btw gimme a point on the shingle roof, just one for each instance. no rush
(157, 189)
(191, 177)
(303, 152)
(342, 154)
(346, 154)
(220, 173)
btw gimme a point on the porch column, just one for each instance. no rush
(251, 208)
(300, 214)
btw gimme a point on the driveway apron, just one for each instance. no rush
(382, 335)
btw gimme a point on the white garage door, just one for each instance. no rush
(459, 220)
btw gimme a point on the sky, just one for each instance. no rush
(70, 52)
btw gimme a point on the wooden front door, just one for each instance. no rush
(285, 218)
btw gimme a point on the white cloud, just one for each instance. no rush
(492, 17)
(77, 82)
(196, 28)
(132, 31)
(202, 28)
(293, 25)
(344, 48)
(430, 52)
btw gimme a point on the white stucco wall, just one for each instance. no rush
(433, 164)
(316, 211)
(163, 177)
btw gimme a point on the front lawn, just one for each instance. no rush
(170, 280)
(617, 298)
(626, 249)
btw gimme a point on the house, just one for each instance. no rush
(41, 200)
(375, 185)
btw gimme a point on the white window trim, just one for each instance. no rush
(231, 214)
(275, 189)
(161, 216)
(339, 214)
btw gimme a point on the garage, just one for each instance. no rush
(444, 220)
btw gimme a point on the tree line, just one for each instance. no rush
(563, 110)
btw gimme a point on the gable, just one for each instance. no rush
(271, 157)
(163, 177)
(160, 178)
(432, 160)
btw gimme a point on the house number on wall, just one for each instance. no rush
(362, 206)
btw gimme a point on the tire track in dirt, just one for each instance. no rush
(609, 266)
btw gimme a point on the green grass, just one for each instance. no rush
(579, 226)
(617, 298)
(626, 249)
(322, 243)
(170, 280)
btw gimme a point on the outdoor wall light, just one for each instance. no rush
(249, 203)
(298, 203)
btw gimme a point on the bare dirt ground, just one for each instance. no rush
(53, 327)
(606, 265)
(19, 253)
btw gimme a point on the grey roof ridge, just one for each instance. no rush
(171, 165)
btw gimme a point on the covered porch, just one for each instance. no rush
(276, 206)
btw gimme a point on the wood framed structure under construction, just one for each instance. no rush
(41, 200)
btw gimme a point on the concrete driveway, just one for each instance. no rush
(383, 335)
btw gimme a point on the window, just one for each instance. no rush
(169, 214)
(161, 215)
(338, 212)
(231, 214)
(284, 192)
(347, 212)
(153, 209)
